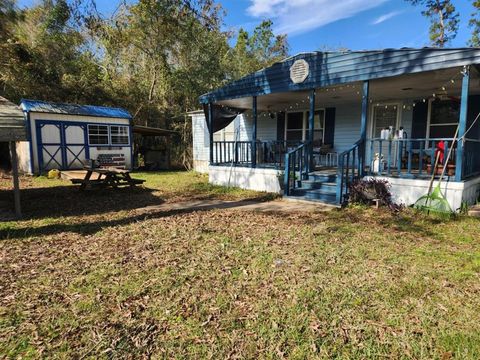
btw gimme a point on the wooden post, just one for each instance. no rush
(311, 128)
(210, 130)
(254, 132)
(462, 125)
(16, 186)
(363, 126)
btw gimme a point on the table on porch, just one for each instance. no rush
(106, 177)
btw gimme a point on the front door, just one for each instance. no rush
(61, 145)
(385, 116)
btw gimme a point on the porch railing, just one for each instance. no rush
(296, 167)
(472, 158)
(269, 153)
(351, 165)
(409, 158)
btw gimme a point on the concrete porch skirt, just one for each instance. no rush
(408, 191)
(247, 178)
(404, 191)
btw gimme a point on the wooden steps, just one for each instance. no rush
(320, 187)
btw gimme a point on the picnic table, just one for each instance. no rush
(106, 177)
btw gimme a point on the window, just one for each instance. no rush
(444, 116)
(295, 126)
(119, 135)
(318, 126)
(384, 116)
(98, 134)
(108, 135)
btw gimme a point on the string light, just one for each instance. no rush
(378, 102)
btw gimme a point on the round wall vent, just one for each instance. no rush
(299, 71)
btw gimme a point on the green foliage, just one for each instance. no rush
(257, 51)
(153, 57)
(474, 23)
(444, 20)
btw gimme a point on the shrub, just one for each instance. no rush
(365, 191)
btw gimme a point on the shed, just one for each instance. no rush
(12, 129)
(66, 136)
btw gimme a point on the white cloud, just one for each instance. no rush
(385, 17)
(299, 16)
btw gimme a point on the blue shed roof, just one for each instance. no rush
(334, 68)
(73, 109)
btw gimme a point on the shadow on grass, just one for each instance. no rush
(65, 201)
(89, 228)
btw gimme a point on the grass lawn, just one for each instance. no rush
(85, 276)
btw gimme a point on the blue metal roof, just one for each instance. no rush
(334, 68)
(73, 109)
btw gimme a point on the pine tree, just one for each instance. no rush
(444, 20)
(474, 23)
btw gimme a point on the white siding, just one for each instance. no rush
(23, 153)
(266, 127)
(347, 123)
(347, 126)
(200, 138)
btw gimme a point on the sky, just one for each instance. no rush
(333, 24)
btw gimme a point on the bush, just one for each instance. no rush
(365, 191)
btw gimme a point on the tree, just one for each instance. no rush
(444, 20)
(474, 23)
(259, 50)
(153, 57)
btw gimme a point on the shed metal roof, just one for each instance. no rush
(73, 109)
(12, 122)
(335, 68)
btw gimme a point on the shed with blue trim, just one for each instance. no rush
(67, 136)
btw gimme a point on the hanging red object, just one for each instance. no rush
(441, 150)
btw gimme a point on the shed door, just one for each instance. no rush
(75, 147)
(61, 145)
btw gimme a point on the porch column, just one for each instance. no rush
(16, 186)
(210, 130)
(311, 122)
(462, 124)
(254, 132)
(363, 125)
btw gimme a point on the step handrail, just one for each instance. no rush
(351, 165)
(297, 161)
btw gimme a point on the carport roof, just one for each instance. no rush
(12, 122)
(74, 109)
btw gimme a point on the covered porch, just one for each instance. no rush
(392, 125)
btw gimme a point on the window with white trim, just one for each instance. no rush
(98, 134)
(318, 126)
(444, 117)
(118, 135)
(384, 116)
(295, 126)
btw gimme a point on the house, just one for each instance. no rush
(312, 123)
(66, 136)
(12, 129)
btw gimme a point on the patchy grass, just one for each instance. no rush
(357, 283)
(53, 199)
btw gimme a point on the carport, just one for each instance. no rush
(12, 129)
